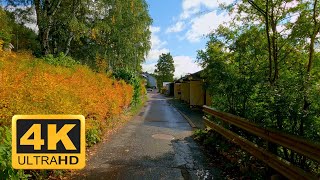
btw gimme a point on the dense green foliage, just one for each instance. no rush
(6, 170)
(164, 69)
(94, 134)
(268, 76)
(60, 60)
(235, 162)
(31, 85)
(133, 79)
(109, 36)
(5, 29)
(14, 32)
(117, 30)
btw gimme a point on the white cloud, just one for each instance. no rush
(288, 5)
(199, 25)
(32, 26)
(191, 7)
(157, 45)
(30, 21)
(149, 67)
(178, 27)
(184, 65)
(203, 25)
(154, 54)
(283, 30)
(189, 4)
(154, 29)
(188, 13)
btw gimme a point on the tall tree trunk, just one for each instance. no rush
(45, 10)
(75, 8)
(274, 48)
(313, 36)
(68, 44)
(269, 42)
(45, 41)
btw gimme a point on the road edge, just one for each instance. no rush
(184, 116)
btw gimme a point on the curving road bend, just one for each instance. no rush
(156, 144)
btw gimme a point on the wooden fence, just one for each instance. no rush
(284, 167)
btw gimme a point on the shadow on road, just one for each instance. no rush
(156, 144)
(186, 162)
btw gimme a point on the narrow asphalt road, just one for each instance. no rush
(156, 144)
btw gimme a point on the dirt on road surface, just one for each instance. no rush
(156, 144)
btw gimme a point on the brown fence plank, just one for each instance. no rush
(285, 168)
(296, 144)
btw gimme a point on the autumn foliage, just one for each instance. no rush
(31, 86)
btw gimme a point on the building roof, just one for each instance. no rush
(191, 77)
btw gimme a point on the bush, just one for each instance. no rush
(6, 170)
(200, 134)
(93, 136)
(93, 132)
(31, 86)
(133, 79)
(28, 86)
(60, 60)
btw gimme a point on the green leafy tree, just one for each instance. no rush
(164, 69)
(23, 38)
(5, 28)
(123, 35)
(307, 28)
(133, 79)
(117, 30)
(264, 66)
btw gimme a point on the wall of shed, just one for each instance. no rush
(185, 91)
(197, 93)
(177, 90)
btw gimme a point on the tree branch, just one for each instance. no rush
(264, 13)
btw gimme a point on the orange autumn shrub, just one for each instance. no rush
(31, 86)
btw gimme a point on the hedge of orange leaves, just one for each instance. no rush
(30, 86)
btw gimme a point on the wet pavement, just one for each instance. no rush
(156, 144)
(194, 114)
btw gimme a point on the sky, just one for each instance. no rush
(180, 27)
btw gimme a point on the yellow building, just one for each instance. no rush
(197, 96)
(177, 90)
(185, 91)
(191, 90)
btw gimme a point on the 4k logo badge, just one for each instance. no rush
(48, 142)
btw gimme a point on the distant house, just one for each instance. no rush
(164, 84)
(8, 47)
(151, 80)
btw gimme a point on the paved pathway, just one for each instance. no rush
(194, 114)
(156, 144)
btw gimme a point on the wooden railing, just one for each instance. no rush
(301, 146)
